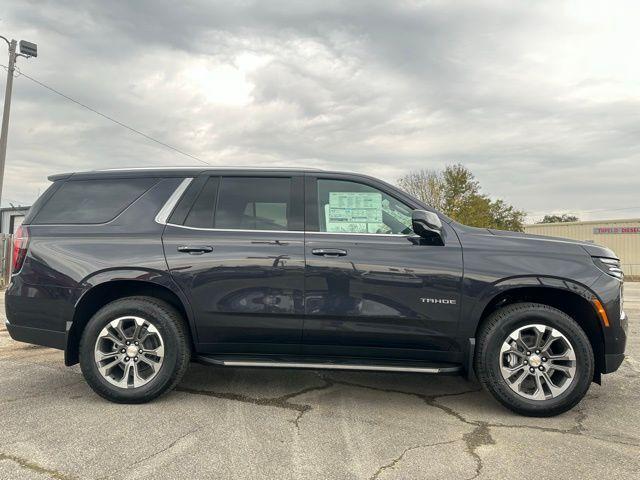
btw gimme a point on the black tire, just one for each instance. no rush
(495, 331)
(177, 352)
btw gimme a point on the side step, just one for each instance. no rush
(332, 364)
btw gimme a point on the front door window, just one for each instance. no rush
(351, 207)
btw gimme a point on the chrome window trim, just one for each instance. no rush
(396, 235)
(163, 218)
(241, 230)
(233, 229)
(163, 215)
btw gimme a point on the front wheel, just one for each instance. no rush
(534, 359)
(134, 349)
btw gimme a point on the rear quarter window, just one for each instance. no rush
(91, 201)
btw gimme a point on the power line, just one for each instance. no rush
(111, 119)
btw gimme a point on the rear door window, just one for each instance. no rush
(92, 201)
(201, 213)
(254, 203)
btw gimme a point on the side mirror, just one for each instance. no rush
(427, 225)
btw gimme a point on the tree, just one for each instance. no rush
(559, 218)
(425, 185)
(456, 192)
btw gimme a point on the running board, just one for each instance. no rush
(328, 365)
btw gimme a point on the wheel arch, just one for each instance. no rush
(567, 296)
(107, 289)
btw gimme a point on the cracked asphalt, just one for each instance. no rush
(259, 424)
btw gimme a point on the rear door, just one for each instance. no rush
(236, 249)
(372, 286)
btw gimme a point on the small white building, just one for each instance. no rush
(621, 236)
(11, 218)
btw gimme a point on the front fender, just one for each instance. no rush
(477, 304)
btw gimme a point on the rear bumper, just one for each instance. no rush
(37, 336)
(39, 314)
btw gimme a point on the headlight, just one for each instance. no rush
(610, 266)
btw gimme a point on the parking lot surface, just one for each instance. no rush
(251, 423)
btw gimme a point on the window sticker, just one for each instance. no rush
(354, 212)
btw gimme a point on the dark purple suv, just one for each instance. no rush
(133, 273)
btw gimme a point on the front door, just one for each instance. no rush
(238, 255)
(372, 287)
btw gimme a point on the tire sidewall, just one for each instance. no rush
(149, 311)
(518, 316)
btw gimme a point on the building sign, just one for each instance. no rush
(615, 230)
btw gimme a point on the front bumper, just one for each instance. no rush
(612, 361)
(610, 355)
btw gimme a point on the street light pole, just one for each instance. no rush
(7, 107)
(27, 50)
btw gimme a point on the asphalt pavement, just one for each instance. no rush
(282, 424)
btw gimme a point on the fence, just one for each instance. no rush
(5, 259)
(631, 271)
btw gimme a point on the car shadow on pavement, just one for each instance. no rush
(279, 387)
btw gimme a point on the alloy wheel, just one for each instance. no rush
(129, 352)
(538, 362)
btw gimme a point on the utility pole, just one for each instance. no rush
(27, 50)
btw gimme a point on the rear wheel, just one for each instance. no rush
(534, 359)
(134, 349)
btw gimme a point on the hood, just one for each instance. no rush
(591, 248)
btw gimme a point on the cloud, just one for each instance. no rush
(539, 100)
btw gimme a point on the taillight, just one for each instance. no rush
(20, 246)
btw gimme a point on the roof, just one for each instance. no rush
(174, 171)
(15, 209)
(583, 222)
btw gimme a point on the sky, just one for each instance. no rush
(539, 99)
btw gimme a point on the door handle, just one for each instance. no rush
(195, 249)
(329, 252)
